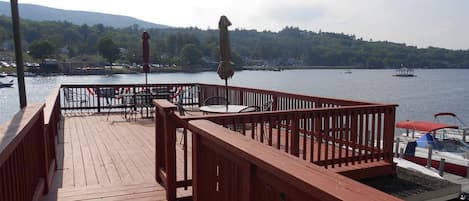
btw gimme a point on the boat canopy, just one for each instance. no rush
(426, 126)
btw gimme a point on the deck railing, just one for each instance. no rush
(52, 117)
(330, 137)
(226, 166)
(28, 150)
(281, 100)
(348, 135)
(109, 97)
(105, 97)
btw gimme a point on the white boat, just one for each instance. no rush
(3, 74)
(421, 135)
(9, 84)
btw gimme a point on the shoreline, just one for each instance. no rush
(120, 70)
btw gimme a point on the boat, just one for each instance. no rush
(452, 118)
(12, 74)
(9, 84)
(421, 136)
(348, 71)
(3, 74)
(404, 72)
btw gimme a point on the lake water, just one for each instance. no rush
(432, 91)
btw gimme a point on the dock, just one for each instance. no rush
(87, 148)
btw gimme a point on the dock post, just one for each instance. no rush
(467, 170)
(401, 153)
(465, 131)
(429, 159)
(397, 147)
(441, 169)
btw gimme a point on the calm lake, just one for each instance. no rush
(432, 91)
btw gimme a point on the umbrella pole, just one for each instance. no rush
(226, 93)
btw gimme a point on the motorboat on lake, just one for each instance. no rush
(9, 84)
(421, 136)
(3, 74)
(405, 72)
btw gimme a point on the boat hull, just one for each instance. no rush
(452, 168)
(5, 85)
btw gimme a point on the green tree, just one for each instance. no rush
(108, 49)
(191, 54)
(41, 49)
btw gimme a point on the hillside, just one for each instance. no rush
(42, 13)
(196, 48)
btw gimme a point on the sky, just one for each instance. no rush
(421, 23)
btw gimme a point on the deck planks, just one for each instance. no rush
(104, 157)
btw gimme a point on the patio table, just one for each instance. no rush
(222, 108)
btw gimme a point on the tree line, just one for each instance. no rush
(193, 47)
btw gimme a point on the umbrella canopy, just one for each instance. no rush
(225, 69)
(146, 51)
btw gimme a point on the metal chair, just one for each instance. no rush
(267, 106)
(74, 97)
(117, 99)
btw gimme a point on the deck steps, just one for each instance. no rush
(145, 191)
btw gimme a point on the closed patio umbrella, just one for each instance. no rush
(146, 54)
(225, 69)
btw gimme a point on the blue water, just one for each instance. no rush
(432, 91)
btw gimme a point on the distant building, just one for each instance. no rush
(47, 66)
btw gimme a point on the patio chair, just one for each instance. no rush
(216, 100)
(267, 106)
(116, 98)
(180, 105)
(161, 93)
(74, 97)
(143, 100)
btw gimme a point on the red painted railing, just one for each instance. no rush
(52, 116)
(227, 166)
(281, 100)
(27, 151)
(329, 137)
(23, 158)
(346, 135)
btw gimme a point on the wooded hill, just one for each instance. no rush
(194, 47)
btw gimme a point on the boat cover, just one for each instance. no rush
(426, 126)
(426, 140)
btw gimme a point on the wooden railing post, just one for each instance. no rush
(241, 97)
(274, 103)
(43, 152)
(98, 96)
(388, 135)
(165, 131)
(295, 136)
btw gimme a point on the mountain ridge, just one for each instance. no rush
(44, 13)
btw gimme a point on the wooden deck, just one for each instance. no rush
(103, 157)
(106, 158)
